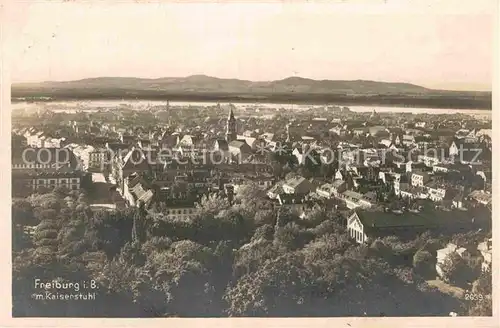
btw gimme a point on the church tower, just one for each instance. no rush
(231, 127)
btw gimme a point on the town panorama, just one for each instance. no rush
(165, 209)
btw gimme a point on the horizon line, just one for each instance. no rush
(247, 80)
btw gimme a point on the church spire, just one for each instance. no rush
(231, 126)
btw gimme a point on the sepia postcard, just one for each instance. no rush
(322, 163)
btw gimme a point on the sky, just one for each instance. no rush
(435, 43)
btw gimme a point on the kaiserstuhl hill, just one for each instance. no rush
(293, 89)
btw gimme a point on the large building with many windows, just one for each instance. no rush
(25, 183)
(40, 169)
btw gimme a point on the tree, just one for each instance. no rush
(424, 263)
(22, 213)
(46, 201)
(22, 218)
(211, 205)
(483, 284)
(45, 235)
(249, 257)
(60, 191)
(482, 308)
(381, 249)
(316, 216)
(284, 216)
(456, 270)
(263, 217)
(327, 227)
(291, 236)
(325, 248)
(264, 232)
(139, 227)
(251, 198)
(111, 230)
(132, 254)
(185, 272)
(277, 288)
(234, 226)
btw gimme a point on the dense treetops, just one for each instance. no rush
(240, 259)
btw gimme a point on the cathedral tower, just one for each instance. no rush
(231, 127)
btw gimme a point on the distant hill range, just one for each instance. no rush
(296, 89)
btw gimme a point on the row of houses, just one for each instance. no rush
(480, 256)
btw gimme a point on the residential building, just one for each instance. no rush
(181, 209)
(298, 186)
(366, 225)
(330, 190)
(43, 159)
(486, 251)
(360, 131)
(137, 190)
(26, 183)
(471, 256)
(419, 179)
(408, 140)
(239, 149)
(293, 202)
(338, 130)
(480, 196)
(435, 191)
(276, 190)
(354, 200)
(428, 160)
(406, 190)
(98, 158)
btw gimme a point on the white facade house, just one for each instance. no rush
(330, 190)
(181, 213)
(480, 196)
(486, 252)
(356, 200)
(298, 185)
(440, 168)
(97, 158)
(355, 229)
(436, 193)
(429, 161)
(419, 179)
(472, 258)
